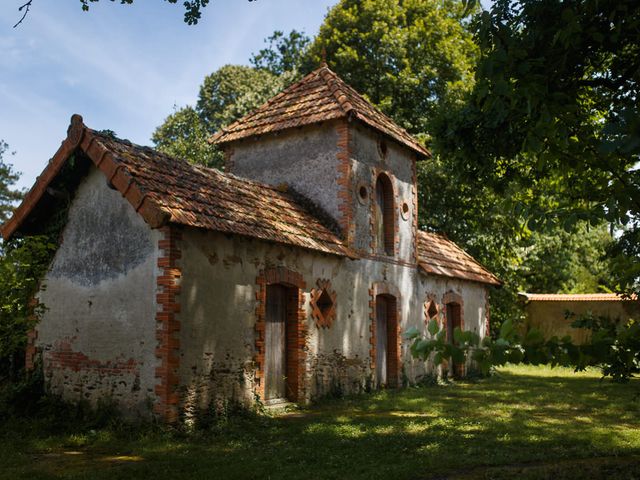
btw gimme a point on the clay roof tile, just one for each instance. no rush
(318, 97)
(437, 255)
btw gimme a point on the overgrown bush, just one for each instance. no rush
(23, 263)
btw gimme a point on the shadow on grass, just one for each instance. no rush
(459, 430)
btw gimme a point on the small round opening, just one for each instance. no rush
(363, 192)
(404, 211)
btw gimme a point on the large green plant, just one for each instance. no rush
(613, 346)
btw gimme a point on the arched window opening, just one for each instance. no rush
(384, 212)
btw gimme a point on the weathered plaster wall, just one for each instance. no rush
(550, 317)
(474, 312)
(305, 159)
(97, 336)
(367, 162)
(218, 308)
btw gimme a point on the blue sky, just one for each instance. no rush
(122, 68)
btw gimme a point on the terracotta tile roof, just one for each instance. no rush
(437, 255)
(575, 297)
(318, 97)
(164, 190)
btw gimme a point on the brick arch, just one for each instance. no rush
(282, 276)
(296, 329)
(394, 348)
(452, 297)
(390, 216)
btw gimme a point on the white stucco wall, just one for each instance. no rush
(97, 335)
(305, 159)
(218, 315)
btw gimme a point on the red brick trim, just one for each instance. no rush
(431, 297)
(323, 319)
(394, 360)
(30, 350)
(345, 194)
(168, 325)
(453, 297)
(79, 136)
(296, 330)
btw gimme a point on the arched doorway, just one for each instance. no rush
(280, 339)
(385, 340)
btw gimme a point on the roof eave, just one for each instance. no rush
(81, 137)
(494, 282)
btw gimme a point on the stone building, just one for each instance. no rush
(287, 277)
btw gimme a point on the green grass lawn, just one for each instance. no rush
(523, 422)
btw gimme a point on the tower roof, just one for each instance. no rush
(318, 97)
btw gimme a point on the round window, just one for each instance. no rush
(363, 194)
(404, 209)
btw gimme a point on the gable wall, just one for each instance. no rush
(97, 336)
(219, 300)
(305, 158)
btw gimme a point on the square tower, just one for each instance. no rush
(323, 140)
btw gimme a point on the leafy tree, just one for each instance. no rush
(192, 8)
(409, 58)
(8, 177)
(564, 262)
(284, 53)
(233, 91)
(227, 94)
(22, 264)
(555, 112)
(184, 135)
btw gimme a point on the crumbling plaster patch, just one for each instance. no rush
(97, 335)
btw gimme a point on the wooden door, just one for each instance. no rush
(275, 354)
(454, 320)
(382, 320)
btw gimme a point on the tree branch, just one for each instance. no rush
(26, 6)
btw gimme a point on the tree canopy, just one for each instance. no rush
(225, 95)
(555, 114)
(284, 54)
(409, 58)
(8, 178)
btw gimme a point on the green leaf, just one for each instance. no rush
(411, 333)
(433, 327)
